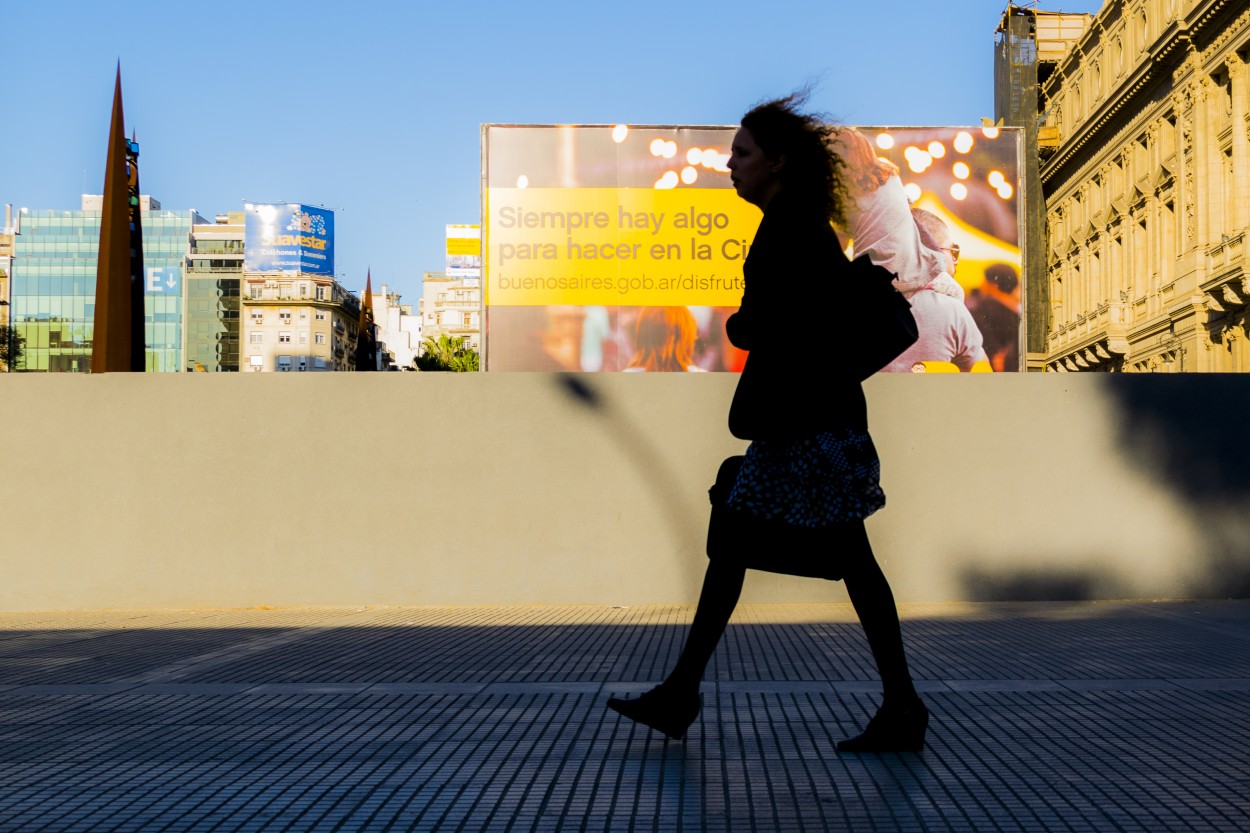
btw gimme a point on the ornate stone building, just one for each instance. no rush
(1148, 190)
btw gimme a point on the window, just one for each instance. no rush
(255, 290)
(468, 320)
(258, 316)
(285, 316)
(321, 315)
(321, 293)
(256, 338)
(303, 315)
(303, 363)
(303, 336)
(284, 364)
(284, 338)
(320, 338)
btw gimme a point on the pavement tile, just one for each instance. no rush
(213, 689)
(425, 688)
(1240, 684)
(1120, 685)
(82, 689)
(306, 688)
(1045, 717)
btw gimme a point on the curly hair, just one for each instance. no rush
(864, 171)
(812, 171)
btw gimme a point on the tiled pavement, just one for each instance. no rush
(1124, 716)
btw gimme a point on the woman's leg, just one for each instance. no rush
(874, 604)
(722, 587)
(674, 705)
(900, 724)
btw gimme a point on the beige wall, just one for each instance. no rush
(143, 491)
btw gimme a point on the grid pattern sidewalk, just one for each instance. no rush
(1107, 716)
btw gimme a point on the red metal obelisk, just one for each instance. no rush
(118, 343)
(366, 342)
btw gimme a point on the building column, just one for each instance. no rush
(1184, 107)
(1237, 73)
(1154, 245)
(1206, 165)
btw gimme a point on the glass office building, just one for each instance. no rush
(214, 270)
(52, 290)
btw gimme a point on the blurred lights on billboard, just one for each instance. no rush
(659, 147)
(715, 161)
(917, 159)
(961, 190)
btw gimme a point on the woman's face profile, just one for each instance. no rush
(753, 174)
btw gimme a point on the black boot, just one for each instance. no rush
(664, 708)
(892, 729)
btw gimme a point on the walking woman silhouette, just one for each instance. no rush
(796, 502)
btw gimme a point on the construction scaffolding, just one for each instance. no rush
(1028, 46)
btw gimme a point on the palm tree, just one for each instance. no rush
(447, 353)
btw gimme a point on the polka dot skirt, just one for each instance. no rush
(816, 481)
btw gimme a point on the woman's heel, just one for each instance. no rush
(664, 709)
(891, 730)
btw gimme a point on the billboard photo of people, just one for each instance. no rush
(939, 208)
(620, 248)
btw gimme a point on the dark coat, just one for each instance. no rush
(795, 327)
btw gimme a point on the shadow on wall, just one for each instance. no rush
(650, 464)
(1192, 433)
(1035, 585)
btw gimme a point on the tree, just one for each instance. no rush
(12, 347)
(447, 353)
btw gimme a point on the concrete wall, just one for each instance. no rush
(189, 490)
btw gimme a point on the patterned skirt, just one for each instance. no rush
(818, 481)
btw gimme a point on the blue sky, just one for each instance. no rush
(375, 109)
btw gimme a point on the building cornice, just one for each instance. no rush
(1119, 98)
(1160, 65)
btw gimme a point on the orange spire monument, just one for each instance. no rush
(366, 338)
(118, 343)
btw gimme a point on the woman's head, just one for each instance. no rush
(664, 339)
(864, 171)
(792, 153)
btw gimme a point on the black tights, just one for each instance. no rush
(870, 595)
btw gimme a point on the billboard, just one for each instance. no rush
(464, 252)
(600, 240)
(288, 239)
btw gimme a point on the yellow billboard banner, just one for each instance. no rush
(464, 246)
(607, 246)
